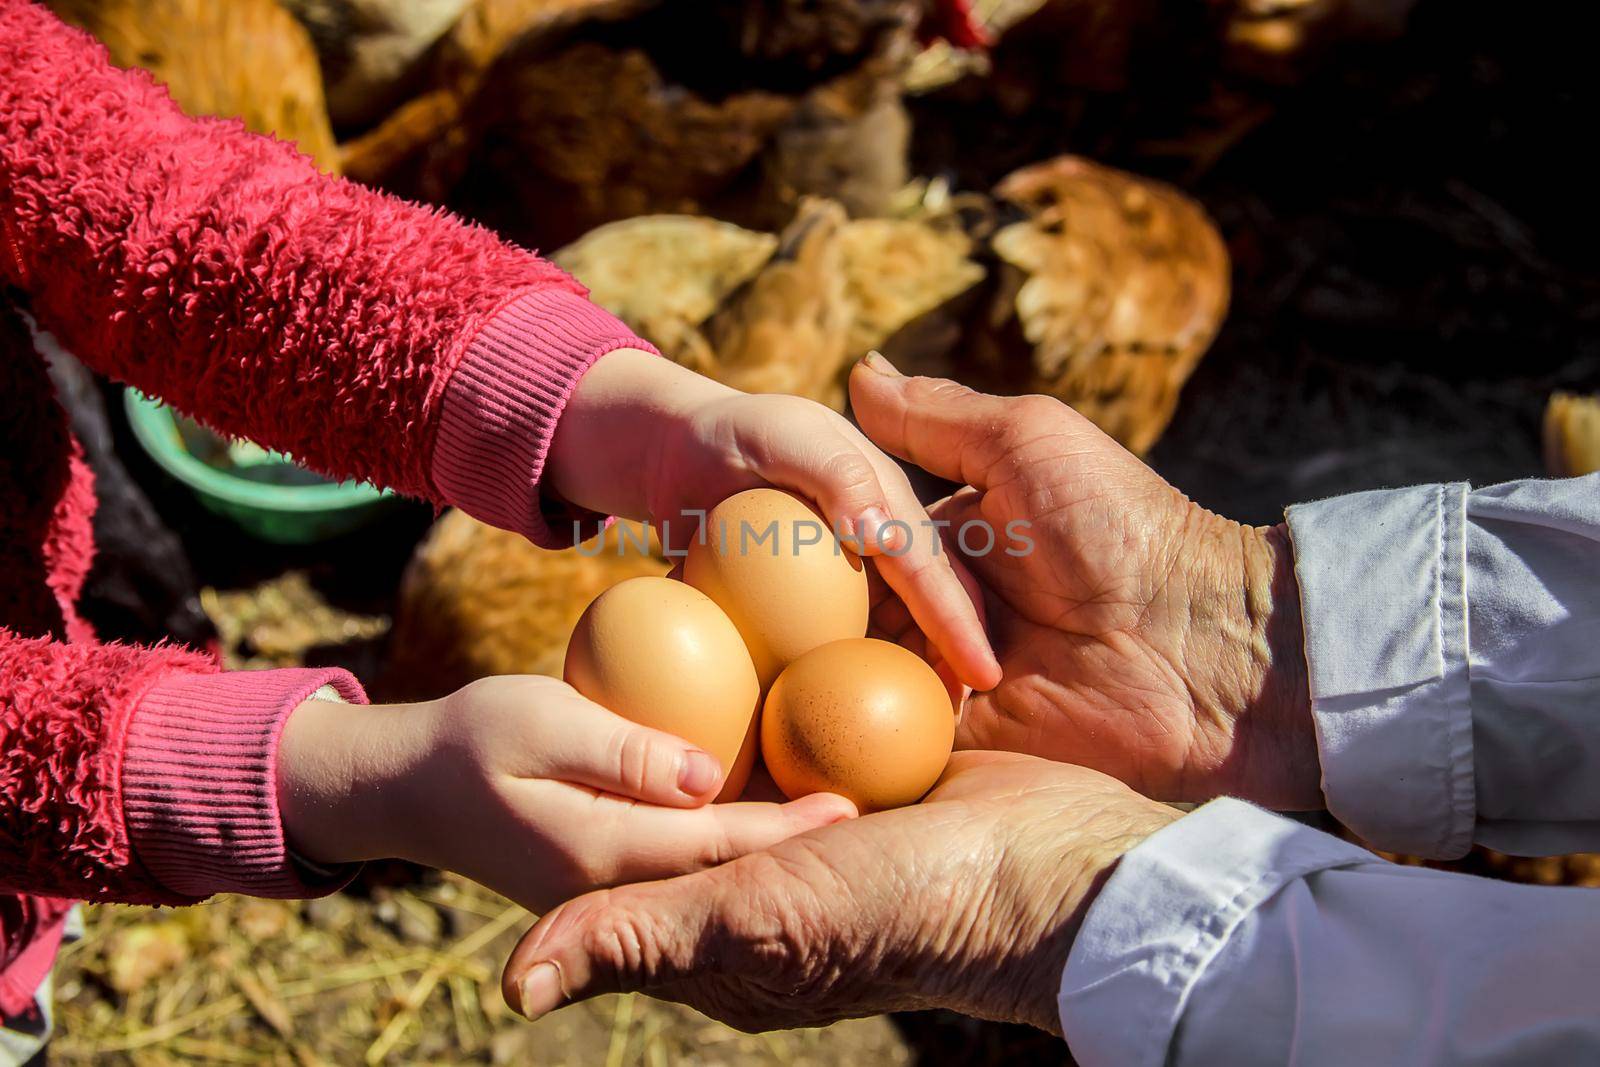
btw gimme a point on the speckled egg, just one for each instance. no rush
(863, 718)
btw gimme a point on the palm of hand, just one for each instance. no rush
(1122, 613)
(969, 900)
(1094, 622)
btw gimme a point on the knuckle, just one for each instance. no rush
(637, 759)
(1035, 408)
(776, 937)
(849, 472)
(938, 390)
(621, 943)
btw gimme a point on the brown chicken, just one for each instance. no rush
(787, 330)
(665, 275)
(770, 314)
(477, 601)
(420, 147)
(546, 118)
(246, 59)
(372, 51)
(1112, 289)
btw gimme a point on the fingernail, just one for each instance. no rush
(699, 772)
(872, 530)
(874, 361)
(834, 808)
(541, 991)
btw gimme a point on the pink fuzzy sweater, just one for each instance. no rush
(218, 270)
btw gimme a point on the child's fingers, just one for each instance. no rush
(582, 742)
(623, 842)
(821, 462)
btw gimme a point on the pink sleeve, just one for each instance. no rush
(142, 775)
(369, 337)
(199, 780)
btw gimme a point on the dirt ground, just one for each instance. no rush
(397, 975)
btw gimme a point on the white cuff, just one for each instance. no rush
(1163, 916)
(1383, 593)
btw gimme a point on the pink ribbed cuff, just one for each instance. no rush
(200, 780)
(502, 405)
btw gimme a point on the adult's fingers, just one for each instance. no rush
(648, 931)
(944, 427)
(636, 938)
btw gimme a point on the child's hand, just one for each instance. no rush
(645, 438)
(518, 783)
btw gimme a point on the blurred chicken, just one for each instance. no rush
(477, 601)
(546, 118)
(665, 275)
(245, 59)
(1572, 434)
(769, 314)
(958, 55)
(788, 329)
(1116, 284)
(848, 140)
(372, 50)
(590, 134)
(420, 148)
(898, 271)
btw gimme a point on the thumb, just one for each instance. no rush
(942, 426)
(612, 941)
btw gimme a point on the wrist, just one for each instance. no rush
(616, 428)
(1053, 902)
(345, 776)
(1274, 735)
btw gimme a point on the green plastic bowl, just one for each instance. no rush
(271, 497)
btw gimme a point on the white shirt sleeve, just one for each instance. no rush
(1453, 647)
(1238, 937)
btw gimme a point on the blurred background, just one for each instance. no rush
(1282, 248)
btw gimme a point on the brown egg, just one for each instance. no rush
(663, 655)
(862, 718)
(775, 566)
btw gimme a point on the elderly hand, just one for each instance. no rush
(1139, 633)
(969, 901)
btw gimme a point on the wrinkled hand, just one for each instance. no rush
(521, 784)
(1139, 633)
(968, 901)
